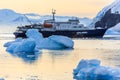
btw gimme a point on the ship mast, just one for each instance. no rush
(53, 12)
(28, 19)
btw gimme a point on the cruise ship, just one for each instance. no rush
(71, 28)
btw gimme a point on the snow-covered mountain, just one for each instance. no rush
(8, 16)
(114, 7)
(109, 17)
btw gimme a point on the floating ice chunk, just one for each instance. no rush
(35, 40)
(12, 47)
(112, 32)
(67, 42)
(33, 33)
(50, 44)
(86, 63)
(27, 45)
(9, 43)
(91, 70)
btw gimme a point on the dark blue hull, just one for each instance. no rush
(95, 33)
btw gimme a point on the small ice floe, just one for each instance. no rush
(34, 34)
(36, 41)
(26, 45)
(9, 43)
(56, 42)
(92, 70)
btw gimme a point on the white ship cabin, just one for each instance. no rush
(70, 24)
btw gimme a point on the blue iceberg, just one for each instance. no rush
(26, 45)
(92, 70)
(11, 42)
(36, 41)
(53, 42)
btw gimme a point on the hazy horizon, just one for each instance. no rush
(80, 8)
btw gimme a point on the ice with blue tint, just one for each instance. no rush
(11, 42)
(52, 42)
(63, 40)
(56, 42)
(34, 34)
(26, 45)
(92, 70)
(12, 47)
(47, 43)
(36, 41)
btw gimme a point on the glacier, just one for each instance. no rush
(92, 70)
(35, 41)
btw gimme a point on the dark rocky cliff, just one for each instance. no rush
(108, 20)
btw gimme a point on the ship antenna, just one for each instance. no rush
(53, 12)
(27, 19)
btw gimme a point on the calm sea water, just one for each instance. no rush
(56, 64)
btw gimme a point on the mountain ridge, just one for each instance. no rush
(12, 17)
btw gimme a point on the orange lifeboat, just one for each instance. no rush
(48, 25)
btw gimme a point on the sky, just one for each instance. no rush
(80, 8)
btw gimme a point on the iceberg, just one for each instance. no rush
(52, 42)
(56, 42)
(26, 45)
(33, 33)
(11, 42)
(47, 43)
(115, 30)
(112, 32)
(92, 70)
(67, 42)
(36, 41)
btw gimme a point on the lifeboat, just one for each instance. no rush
(47, 25)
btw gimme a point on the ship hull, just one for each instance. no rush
(92, 33)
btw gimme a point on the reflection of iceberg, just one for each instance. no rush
(27, 57)
(91, 70)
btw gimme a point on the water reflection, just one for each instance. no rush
(63, 52)
(57, 54)
(27, 57)
(32, 57)
(57, 64)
